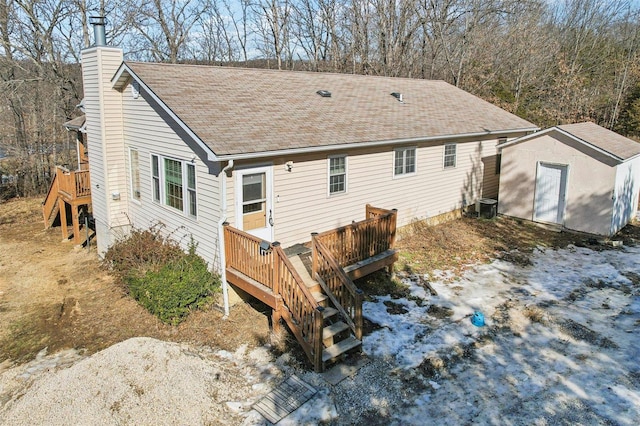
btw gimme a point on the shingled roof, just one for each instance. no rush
(240, 111)
(605, 139)
(592, 135)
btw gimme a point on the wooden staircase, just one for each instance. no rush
(71, 188)
(337, 337)
(319, 302)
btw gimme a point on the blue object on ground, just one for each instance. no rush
(477, 319)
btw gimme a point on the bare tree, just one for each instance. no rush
(165, 26)
(273, 22)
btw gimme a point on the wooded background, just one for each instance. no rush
(548, 61)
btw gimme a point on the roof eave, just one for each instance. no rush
(567, 134)
(367, 144)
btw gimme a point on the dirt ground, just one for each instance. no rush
(56, 296)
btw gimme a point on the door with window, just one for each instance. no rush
(550, 197)
(254, 207)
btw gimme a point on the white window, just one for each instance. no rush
(155, 173)
(404, 162)
(178, 188)
(337, 174)
(173, 183)
(449, 155)
(191, 190)
(135, 174)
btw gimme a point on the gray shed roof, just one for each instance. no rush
(239, 111)
(605, 139)
(599, 139)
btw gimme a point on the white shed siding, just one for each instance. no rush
(103, 109)
(625, 198)
(147, 132)
(302, 204)
(589, 187)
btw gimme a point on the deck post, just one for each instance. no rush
(276, 315)
(392, 230)
(63, 218)
(76, 224)
(314, 255)
(358, 314)
(392, 238)
(276, 268)
(318, 323)
(226, 245)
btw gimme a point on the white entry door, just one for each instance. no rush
(254, 206)
(551, 188)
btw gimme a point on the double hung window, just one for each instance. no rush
(174, 184)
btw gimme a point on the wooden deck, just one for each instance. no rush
(322, 309)
(71, 188)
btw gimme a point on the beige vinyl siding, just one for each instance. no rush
(302, 203)
(145, 131)
(589, 183)
(103, 108)
(490, 179)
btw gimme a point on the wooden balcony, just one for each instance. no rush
(321, 307)
(74, 185)
(71, 188)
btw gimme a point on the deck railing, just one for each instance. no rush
(243, 253)
(268, 264)
(74, 184)
(361, 240)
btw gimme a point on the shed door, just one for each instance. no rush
(551, 188)
(254, 209)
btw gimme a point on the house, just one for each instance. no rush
(248, 162)
(580, 176)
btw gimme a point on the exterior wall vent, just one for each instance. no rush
(397, 95)
(324, 93)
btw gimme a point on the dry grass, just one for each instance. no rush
(535, 314)
(52, 295)
(455, 245)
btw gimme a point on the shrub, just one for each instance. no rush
(142, 251)
(168, 282)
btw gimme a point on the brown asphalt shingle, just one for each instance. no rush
(611, 142)
(239, 111)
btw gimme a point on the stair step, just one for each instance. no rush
(339, 348)
(333, 329)
(302, 271)
(329, 312)
(320, 297)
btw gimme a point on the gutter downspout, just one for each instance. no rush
(221, 243)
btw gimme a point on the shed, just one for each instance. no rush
(580, 176)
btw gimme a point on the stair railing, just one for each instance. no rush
(50, 200)
(344, 295)
(306, 313)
